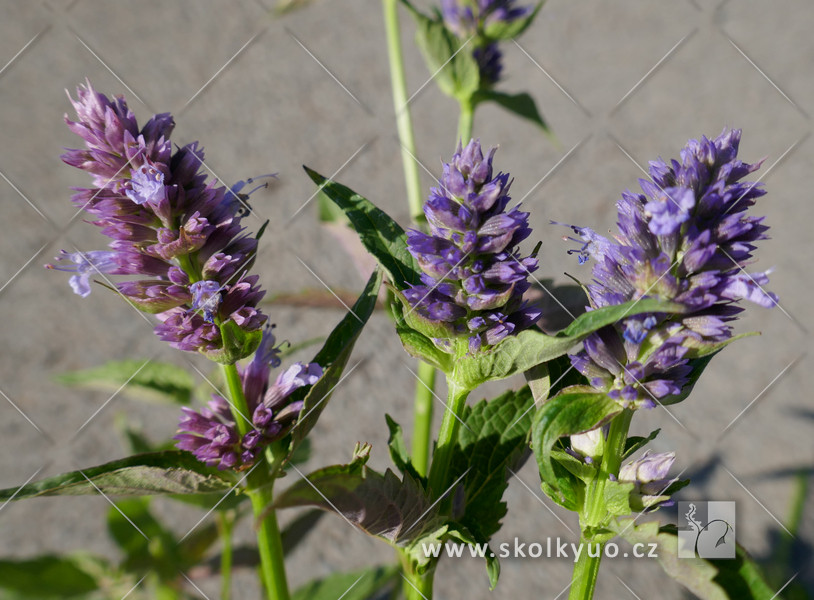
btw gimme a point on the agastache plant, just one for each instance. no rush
(181, 235)
(685, 240)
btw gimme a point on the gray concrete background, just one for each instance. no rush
(620, 83)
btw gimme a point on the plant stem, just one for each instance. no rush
(583, 579)
(240, 410)
(594, 512)
(226, 523)
(466, 120)
(404, 122)
(422, 422)
(447, 436)
(269, 541)
(259, 485)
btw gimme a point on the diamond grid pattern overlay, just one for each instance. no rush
(263, 94)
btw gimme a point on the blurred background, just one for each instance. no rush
(619, 84)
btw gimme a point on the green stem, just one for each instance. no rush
(404, 122)
(447, 436)
(583, 580)
(226, 523)
(422, 422)
(240, 410)
(594, 513)
(466, 120)
(259, 484)
(415, 587)
(269, 541)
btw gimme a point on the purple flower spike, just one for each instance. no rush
(686, 239)
(474, 277)
(212, 435)
(166, 223)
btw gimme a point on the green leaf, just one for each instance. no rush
(420, 346)
(381, 235)
(742, 578)
(450, 62)
(707, 579)
(333, 356)
(521, 105)
(150, 380)
(359, 585)
(398, 450)
(47, 577)
(519, 353)
(398, 511)
(568, 413)
(502, 30)
(617, 498)
(491, 441)
(634, 442)
(169, 472)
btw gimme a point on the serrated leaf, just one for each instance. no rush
(521, 352)
(150, 380)
(381, 235)
(491, 441)
(333, 356)
(47, 577)
(169, 472)
(358, 585)
(397, 511)
(521, 105)
(568, 413)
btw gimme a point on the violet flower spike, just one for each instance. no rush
(686, 239)
(179, 233)
(473, 276)
(85, 265)
(211, 433)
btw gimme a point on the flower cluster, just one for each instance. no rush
(470, 18)
(685, 239)
(181, 234)
(473, 275)
(212, 434)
